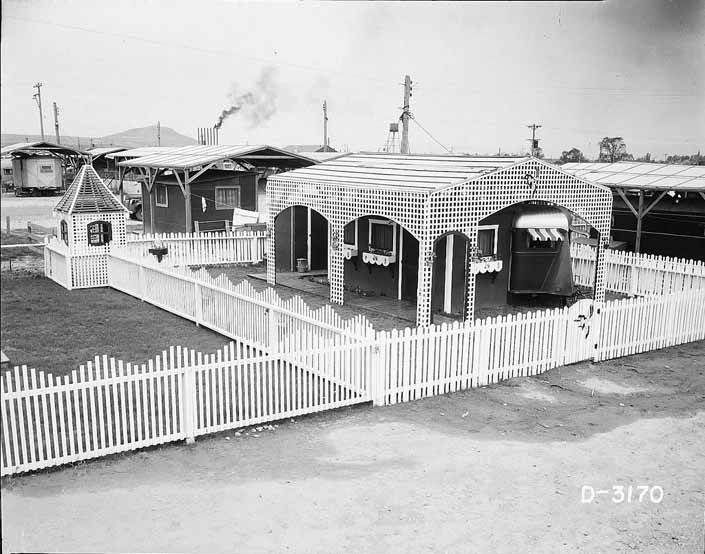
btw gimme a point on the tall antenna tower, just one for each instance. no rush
(391, 144)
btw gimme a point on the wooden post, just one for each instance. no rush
(376, 374)
(273, 332)
(639, 218)
(198, 300)
(187, 203)
(448, 284)
(188, 401)
(7, 223)
(401, 257)
(308, 237)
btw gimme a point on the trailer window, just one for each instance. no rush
(99, 233)
(65, 232)
(46, 169)
(162, 195)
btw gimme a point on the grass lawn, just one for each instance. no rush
(52, 329)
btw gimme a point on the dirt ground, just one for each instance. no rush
(496, 469)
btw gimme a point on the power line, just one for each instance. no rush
(430, 135)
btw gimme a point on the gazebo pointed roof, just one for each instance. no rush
(88, 194)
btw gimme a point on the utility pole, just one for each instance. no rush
(325, 126)
(534, 141)
(405, 115)
(38, 97)
(159, 133)
(56, 124)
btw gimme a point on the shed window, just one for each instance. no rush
(382, 235)
(227, 198)
(46, 169)
(99, 233)
(7, 171)
(64, 232)
(487, 240)
(162, 196)
(350, 233)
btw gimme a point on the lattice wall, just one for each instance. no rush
(428, 215)
(461, 208)
(341, 205)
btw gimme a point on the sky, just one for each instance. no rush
(481, 71)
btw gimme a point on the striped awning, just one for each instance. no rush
(545, 234)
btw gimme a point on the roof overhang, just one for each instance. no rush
(26, 149)
(190, 158)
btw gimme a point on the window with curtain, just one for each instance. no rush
(99, 233)
(382, 236)
(486, 241)
(162, 196)
(227, 198)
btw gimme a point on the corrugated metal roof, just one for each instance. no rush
(40, 146)
(397, 170)
(139, 152)
(643, 176)
(102, 150)
(188, 157)
(88, 194)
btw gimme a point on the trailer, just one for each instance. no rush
(42, 168)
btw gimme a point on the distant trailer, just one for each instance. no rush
(37, 176)
(41, 168)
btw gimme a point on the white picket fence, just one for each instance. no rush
(109, 406)
(263, 319)
(641, 324)
(638, 274)
(183, 249)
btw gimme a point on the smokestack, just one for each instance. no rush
(325, 126)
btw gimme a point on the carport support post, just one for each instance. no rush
(187, 201)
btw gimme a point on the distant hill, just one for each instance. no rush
(132, 138)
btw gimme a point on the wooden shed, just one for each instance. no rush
(436, 230)
(202, 188)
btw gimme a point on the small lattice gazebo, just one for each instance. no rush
(409, 204)
(91, 219)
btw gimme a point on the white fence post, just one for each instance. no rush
(198, 299)
(273, 318)
(142, 283)
(188, 401)
(376, 371)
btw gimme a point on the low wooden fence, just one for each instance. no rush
(638, 274)
(57, 265)
(107, 406)
(183, 249)
(263, 319)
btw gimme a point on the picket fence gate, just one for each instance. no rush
(108, 406)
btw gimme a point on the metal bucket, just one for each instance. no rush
(301, 265)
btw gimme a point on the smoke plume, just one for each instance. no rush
(256, 106)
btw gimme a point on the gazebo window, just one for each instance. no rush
(64, 231)
(487, 240)
(162, 195)
(99, 233)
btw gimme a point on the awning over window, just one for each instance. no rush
(545, 234)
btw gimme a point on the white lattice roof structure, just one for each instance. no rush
(88, 194)
(430, 196)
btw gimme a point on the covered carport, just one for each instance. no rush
(187, 187)
(658, 208)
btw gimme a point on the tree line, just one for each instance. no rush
(614, 149)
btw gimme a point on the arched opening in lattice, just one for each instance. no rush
(449, 289)
(523, 259)
(301, 240)
(381, 258)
